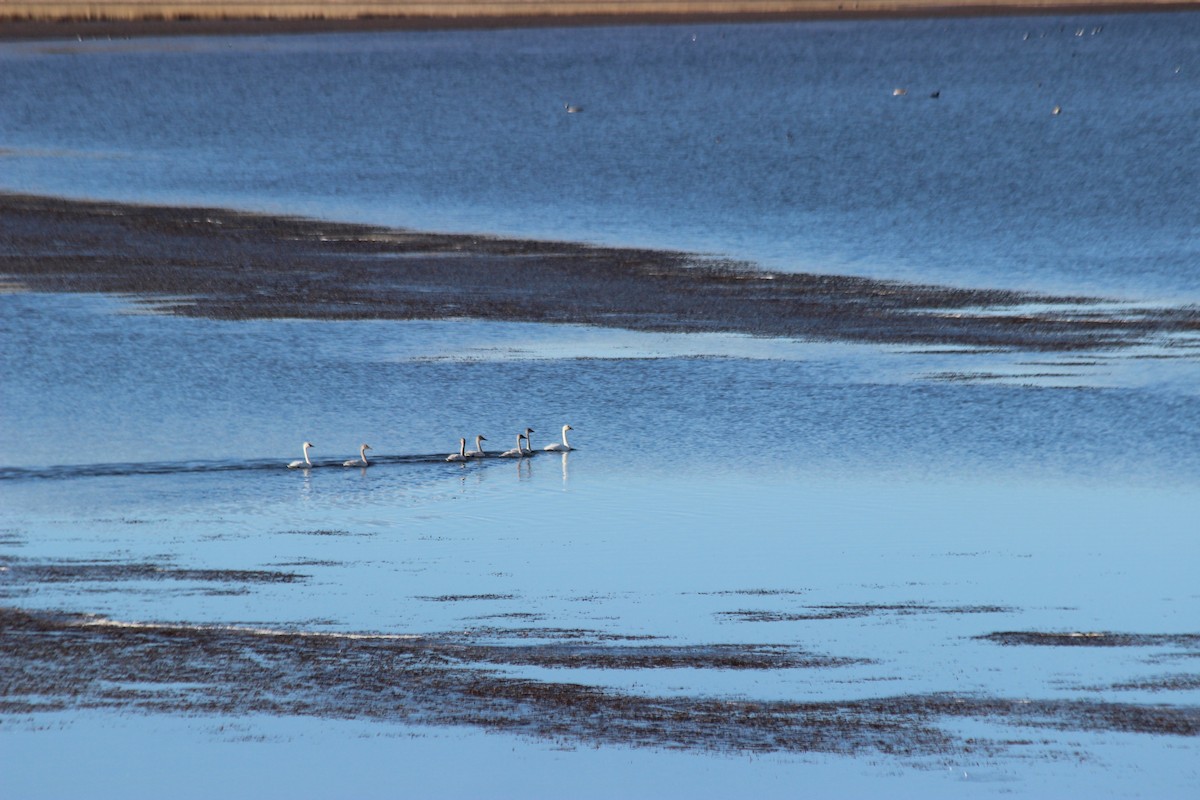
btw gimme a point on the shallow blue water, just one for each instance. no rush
(91, 386)
(715, 475)
(782, 144)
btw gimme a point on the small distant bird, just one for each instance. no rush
(561, 448)
(361, 461)
(461, 455)
(936, 94)
(517, 451)
(899, 92)
(478, 451)
(1056, 110)
(305, 464)
(572, 109)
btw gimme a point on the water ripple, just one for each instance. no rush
(121, 470)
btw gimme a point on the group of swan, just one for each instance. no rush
(461, 455)
(517, 452)
(361, 461)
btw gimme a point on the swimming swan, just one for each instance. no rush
(528, 441)
(478, 451)
(461, 455)
(305, 464)
(361, 461)
(516, 452)
(564, 447)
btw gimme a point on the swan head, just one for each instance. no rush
(365, 447)
(529, 431)
(307, 445)
(567, 428)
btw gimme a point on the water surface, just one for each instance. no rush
(782, 144)
(883, 506)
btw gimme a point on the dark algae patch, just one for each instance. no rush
(229, 265)
(113, 571)
(1095, 639)
(853, 611)
(56, 661)
(1162, 683)
(722, 656)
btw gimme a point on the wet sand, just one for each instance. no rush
(222, 264)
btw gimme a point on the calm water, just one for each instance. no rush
(1057, 489)
(783, 144)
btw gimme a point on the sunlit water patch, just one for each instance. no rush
(785, 144)
(832, 503)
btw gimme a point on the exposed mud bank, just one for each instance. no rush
(51, 661)
(854, 611)
(228, 265)
(1095, 639)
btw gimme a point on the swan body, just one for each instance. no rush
(305, 464)
(572, 109)
(461, 455)
(516, 452)
(478, 451)
(563, 447)
(361, 461)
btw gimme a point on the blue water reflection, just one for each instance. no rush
(783, 144)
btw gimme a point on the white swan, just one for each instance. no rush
(305, 464)
(572, 109)
(361, 461)
(528, 442)
(564, 447)
(517, 451)
(478, 451)
(461, 455)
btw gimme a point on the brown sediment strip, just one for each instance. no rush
(52, 661)
(123, 18)
(229, 265)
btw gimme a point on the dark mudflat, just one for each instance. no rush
(1095, 639)
(53, 662)
(854, 611)
(228, 265)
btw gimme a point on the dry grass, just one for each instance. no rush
(357, 9)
